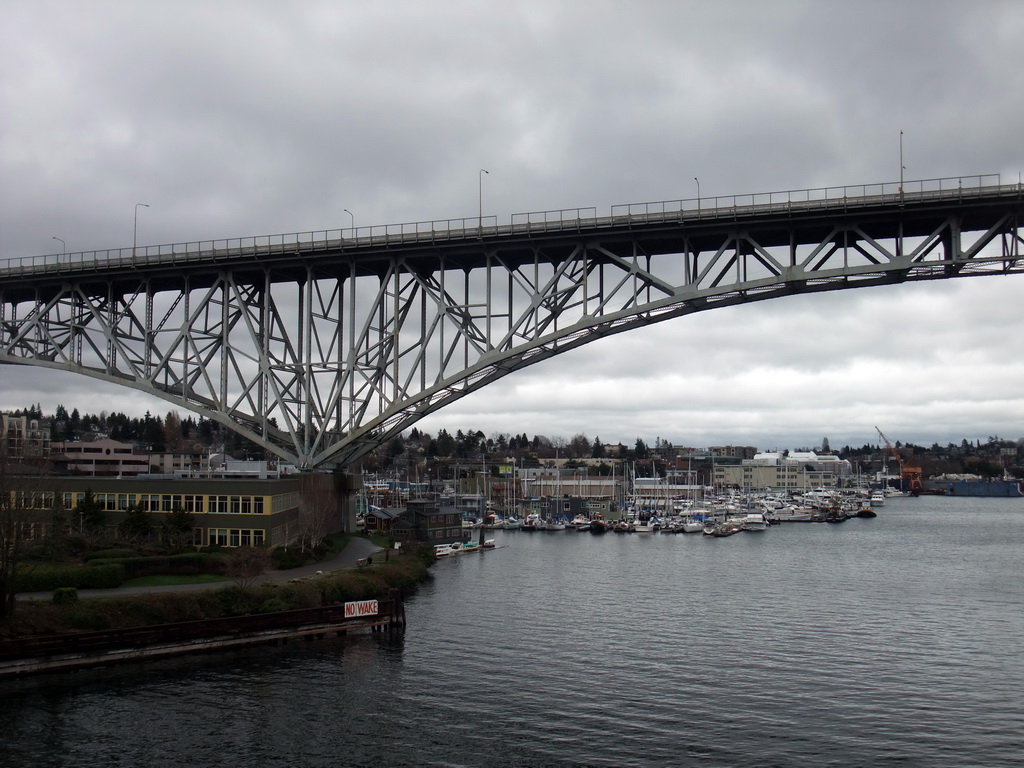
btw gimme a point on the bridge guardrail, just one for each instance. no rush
(537, 222)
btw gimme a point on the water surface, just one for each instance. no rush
(892, 641)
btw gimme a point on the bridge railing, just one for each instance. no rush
(257, 246)
(549, 221)
(566, 219)
(824, 197)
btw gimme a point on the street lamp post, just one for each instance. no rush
(899, 245)
(353, 222)
(64, 247)
(902, 166)
(135, 229)
(698, 192)
(480, 221)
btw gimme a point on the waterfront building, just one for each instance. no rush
(226, 512)
(790, 471)
(24, 437)
(744, 452)
(425, 521)
(378, 520)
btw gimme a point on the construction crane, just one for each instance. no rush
(910, 475)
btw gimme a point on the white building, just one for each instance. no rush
(791, 471)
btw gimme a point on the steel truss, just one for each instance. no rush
(320, 352)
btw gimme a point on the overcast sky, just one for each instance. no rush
(243, 118)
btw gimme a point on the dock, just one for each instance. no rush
(22, 656)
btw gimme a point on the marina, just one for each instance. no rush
(801, 646)
(718, 516)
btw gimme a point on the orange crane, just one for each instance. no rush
(909, 473)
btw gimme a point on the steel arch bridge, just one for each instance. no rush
(322, 345)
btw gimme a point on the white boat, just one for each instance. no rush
(752, 521)
(793, 514)
(558, 524)
(512, 524)
(442, 550)
(877, 498)
(580, 523)
(643, 526)
(534, 522)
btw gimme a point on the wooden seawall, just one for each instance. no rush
(54, 653)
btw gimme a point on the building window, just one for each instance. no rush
(218, 537)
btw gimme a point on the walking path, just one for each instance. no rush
(356, 549)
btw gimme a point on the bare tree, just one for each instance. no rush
(21, 505)
(318, 510)
(579, 446)
(246, 564)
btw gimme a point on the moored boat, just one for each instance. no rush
(721, 529)
(752, 521)
(581, 522)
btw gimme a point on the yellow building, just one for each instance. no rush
(227, 512)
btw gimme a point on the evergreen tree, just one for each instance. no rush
(137, 525)
(89, 513)
(178, 527)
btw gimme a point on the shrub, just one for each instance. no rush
(45, 579)
(285, 558)
(65, 596)
(81, 616)
(111, 554)
(274, 605)
(234, 601)
(187, 563)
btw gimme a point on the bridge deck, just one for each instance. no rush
(466, 242)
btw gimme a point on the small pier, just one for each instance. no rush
(80, 650)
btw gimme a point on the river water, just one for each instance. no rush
(897, 641)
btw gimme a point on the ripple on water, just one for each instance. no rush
(894, 641)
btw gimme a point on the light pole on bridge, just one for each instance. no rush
(899, 244)
(480, 221)
(135, 230)
(902, 166)
(698, 193)
(64, 247)
(353, 222)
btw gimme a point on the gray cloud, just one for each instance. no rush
(242, 118)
